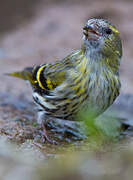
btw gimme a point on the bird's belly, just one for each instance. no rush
(100, 99)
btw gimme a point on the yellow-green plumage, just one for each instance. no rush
(87, 79)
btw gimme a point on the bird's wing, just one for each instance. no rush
(47, 76)
(58, 73)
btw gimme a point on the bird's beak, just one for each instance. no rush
(91, 32)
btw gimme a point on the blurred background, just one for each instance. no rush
(34, 32)
(39, 31)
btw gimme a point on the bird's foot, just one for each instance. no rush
(46, 137)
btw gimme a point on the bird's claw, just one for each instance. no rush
(46, 137)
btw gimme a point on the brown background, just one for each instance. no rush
(39, 31)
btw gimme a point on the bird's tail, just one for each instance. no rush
(26, 74)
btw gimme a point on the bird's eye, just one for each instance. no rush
(108, 31)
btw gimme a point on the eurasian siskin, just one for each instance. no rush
(86, 80)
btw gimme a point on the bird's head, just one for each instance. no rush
(101, 36)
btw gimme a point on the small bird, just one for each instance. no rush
(86, 80)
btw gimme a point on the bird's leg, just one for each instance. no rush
(45, 135)
(42, 120)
